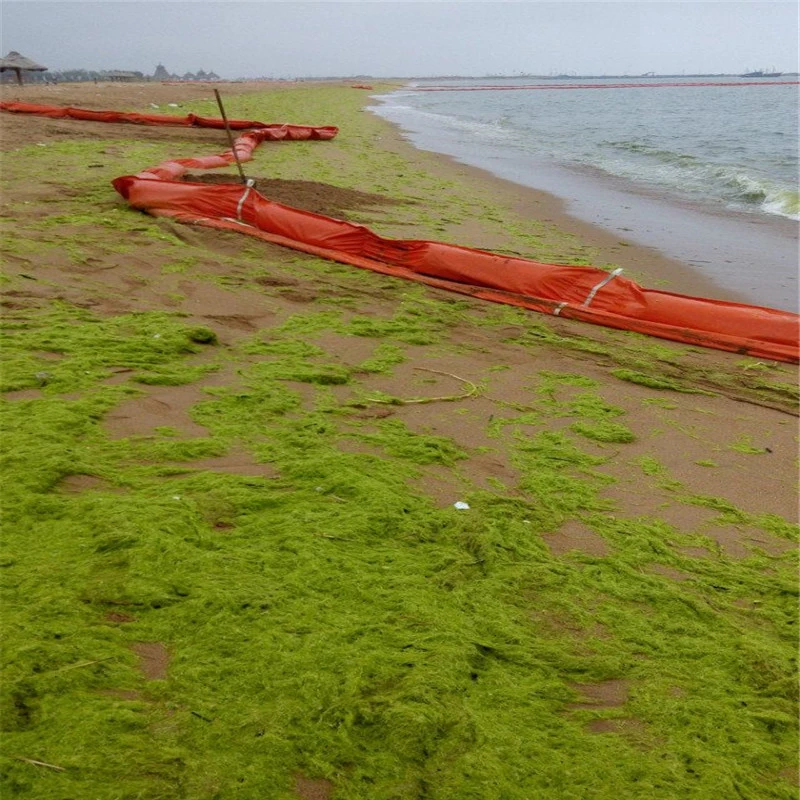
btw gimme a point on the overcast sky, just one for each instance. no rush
(381, 38)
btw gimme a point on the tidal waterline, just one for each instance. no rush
(702, 174)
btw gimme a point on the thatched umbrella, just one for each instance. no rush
(16, 62)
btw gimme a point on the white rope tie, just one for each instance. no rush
(250, 184)
(237, 221)
(558, 308)
(610, 277)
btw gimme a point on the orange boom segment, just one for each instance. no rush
(584, 293)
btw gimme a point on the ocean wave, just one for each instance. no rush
(490, 130)
(784, 202)
(706, 155)
(391, 107)
(689, 174)
(767, 196)
(666, 156)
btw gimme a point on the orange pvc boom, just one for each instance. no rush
(584, 293)
(568, 86)
(277, 131)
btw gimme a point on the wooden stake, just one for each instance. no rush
(230, 136)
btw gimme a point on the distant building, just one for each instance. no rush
(161, 74)
(121, 76)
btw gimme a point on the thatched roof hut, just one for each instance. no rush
(19, 63)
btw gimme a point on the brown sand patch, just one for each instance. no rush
(164, 406)
(574, 535)
(629, 727)
(637, 498)
(740, 541)
(669, 572)
(299, 295)
(441, 484)
(74, 484)
(118, 617)
(236, 462)
(487, 470)
(23, 394)
(791, 775)
(153, 659)
(319, 198)
(312, 788)
(374, 412)
(349, 350)
(678, 439)
(121, 694)
(356, 446)
(449, 415)
(275, 280)
(606, 694)
(695, 552)
(167, 406)
(554, 623)
(235, 321)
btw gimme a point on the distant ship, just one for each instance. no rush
(762, 73)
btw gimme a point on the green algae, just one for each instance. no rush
(652, 381)
(375, 629)
(396, 440)
(89, 348)
(744, 444)
(384, 358)
(604, 431)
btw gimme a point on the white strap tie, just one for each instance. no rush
(237, 221)
(610, 277)
(250, 184)
(557, 309)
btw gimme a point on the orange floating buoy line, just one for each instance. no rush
(582, 293)
(272, 132)
(544, 86)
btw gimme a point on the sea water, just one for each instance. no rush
(707, 174)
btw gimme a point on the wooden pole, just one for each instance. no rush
(230, 136)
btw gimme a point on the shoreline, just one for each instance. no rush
(677, 246)
(644, 264)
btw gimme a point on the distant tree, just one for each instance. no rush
(161, 73)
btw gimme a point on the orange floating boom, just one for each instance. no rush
(546, 86)
(584, 293)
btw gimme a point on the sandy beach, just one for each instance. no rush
(236, 557)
